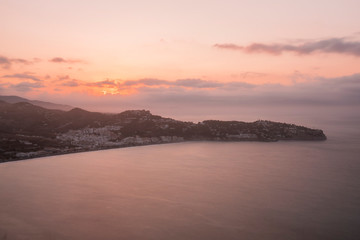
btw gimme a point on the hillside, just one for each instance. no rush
(29, 131)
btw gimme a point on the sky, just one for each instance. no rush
(185, 59)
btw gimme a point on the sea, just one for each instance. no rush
(192, 190)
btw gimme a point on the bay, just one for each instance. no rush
(192, 190)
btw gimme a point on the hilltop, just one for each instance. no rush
(28, 131)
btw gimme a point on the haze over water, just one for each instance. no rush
(194, 190)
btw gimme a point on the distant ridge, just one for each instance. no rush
(47, 105)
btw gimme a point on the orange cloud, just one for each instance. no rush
(120, 87)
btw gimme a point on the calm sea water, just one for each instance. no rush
(195, 190)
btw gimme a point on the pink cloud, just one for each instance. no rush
(63, 60)
(6, 62)
(332, 45)
(24, 76)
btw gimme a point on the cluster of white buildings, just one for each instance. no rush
(110, 136)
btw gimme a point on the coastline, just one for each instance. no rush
(44, 153)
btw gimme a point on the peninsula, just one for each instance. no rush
(28, 131)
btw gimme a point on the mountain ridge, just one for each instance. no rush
(48, 105)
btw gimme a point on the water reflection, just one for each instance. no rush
(284, 190)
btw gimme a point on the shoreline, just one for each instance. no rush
(42, 154)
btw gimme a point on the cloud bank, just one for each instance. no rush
(332, 45)
(190, 83)
(319, 91)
